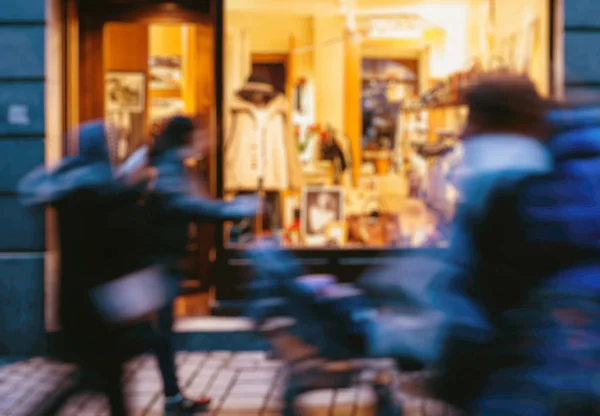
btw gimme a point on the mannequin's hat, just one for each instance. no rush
(258, 83)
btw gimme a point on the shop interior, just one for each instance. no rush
(363, 111)
(342, 114)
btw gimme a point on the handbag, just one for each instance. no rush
(135, 297)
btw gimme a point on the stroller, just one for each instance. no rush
(327, 333)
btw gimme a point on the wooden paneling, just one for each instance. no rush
(126, 47)
(94, 15)
(150, 11)
(352, 100)
(91, 68)
(205, 68)
(166, 40)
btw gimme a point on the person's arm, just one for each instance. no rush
(173, 192)
(203, 209)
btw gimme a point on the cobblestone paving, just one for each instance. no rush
(245, 383)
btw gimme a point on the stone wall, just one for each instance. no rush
(582, 47)
(22, 128)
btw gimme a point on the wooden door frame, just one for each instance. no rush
(270, 58)
(87, 66)
(92, 18)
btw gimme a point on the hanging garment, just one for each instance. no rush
(259, 146)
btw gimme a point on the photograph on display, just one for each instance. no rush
(321, 206)
(291, 204)
(165, 72)
(125, 92)
(336, 233)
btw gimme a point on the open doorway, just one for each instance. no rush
(137, 64)
(272, 68)
(273, 72)
(160, 71)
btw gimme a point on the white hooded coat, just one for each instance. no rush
(259, 144)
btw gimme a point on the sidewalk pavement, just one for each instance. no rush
(241, 384)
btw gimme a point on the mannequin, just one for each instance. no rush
(260, 154)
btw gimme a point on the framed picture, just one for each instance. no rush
(321, 206)
(336, 233)
(290, 205)
(165, 73)
(125, 92)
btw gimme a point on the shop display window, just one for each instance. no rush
(350, 132)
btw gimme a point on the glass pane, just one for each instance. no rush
(294, 78)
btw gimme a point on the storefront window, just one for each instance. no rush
(346, 120)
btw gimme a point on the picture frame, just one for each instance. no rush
(165, 72)
(321, 206)
(125, 92)
(336, 232)
(290, 203)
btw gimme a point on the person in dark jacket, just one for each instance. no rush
(544, 285)
(504, 142)
(99, 229)
(174, 203)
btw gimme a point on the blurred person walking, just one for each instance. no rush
(545, 292)
(107, 290)
(504, 143)
(173, 203)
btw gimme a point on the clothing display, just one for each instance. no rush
(259, 150)
(333, 149)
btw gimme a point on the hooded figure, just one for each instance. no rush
(105, 278)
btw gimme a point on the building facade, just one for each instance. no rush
(31, 96)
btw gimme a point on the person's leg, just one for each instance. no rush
(175, 402)
(165, 353)
(111, 376)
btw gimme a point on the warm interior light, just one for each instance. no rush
(400, 27)
(170, 6)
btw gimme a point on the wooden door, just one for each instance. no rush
(125, 48)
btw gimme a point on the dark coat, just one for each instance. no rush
(173, 205)
(538, 234)
(100, 228)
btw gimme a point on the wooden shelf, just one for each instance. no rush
(166, 93)
(433, 107)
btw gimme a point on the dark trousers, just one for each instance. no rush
(165, 353)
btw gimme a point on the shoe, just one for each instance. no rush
(181, 405)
